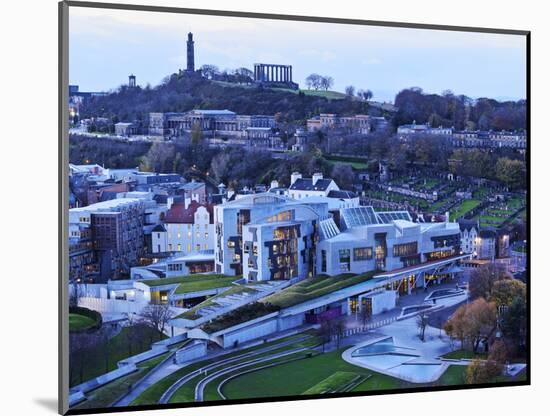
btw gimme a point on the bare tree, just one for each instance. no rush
(209, 71)
(326, 331)
(350, 90)
(422, 323)
(313, 81)
(157, 316)
(80, 343)
(339, 328)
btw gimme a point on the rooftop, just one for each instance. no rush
(306, 184)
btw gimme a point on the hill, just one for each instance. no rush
(181, 93)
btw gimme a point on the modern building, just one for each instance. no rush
(185, 229)
(115, 229)
(267, 236)
(412, 129)
(125, 129)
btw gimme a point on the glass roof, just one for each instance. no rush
(389, 216)
(358, 216)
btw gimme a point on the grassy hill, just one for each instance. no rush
(181, 93)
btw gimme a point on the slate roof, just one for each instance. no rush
(306, 184)
(178, 214)
(159, 228)
(341, 194)
(467, 224)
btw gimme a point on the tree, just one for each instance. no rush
(196, 134)
(422, 323)
(350, 90)
(326, 82)
(499, 352)
(510, 172)
(342, 173)
(326, 330)
(156, 316)
(472, 323)
(209, 71)
(313, 81)
(339, 328)
(158, 158)
(479, 371)
(482, 280)
(504, 292)
(513, 322)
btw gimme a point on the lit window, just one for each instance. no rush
(179, 247)
(179, 235)
(189, 247)
(205, 235)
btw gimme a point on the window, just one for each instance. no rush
(158, 235)
(189, 247)
(206, 246)
(231, 244)
(323, 261)
(179, 235)
(344, 258)
(198, 234)
(362, 253)
(198, 247)
(205, 235)
(407, 249)
(169, 247)
(179, 247)
(189, 234)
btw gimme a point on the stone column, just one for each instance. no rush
(290, 79)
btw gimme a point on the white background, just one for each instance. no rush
(29, 140)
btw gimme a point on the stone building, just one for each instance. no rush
(274, 75)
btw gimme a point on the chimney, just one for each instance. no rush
(294, 177)
(316, 176)
(274, 184)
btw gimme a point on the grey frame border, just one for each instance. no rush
(63, 172)
(63, 214)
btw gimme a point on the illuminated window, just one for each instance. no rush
(189, 234)
(206, 246)
(198, 247)
(198, 234)
(362, 253)
(179, 235)
(189, 247)
(205, 235)
(179, 247)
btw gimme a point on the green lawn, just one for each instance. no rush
(334, 383)
(106, 395)
(194, 282)
(466, 354)
(79, 322)
(455, 375)
(354, 163)
(299, 376)
(186, 392)
(465, 207)
(106, 354)
(312, 288)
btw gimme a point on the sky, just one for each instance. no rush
(105, 46)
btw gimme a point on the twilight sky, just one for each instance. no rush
(107, 45)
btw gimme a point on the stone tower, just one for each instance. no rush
(190, 53)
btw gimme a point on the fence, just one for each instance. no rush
(112, 305)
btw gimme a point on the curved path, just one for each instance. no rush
(199, 389)
(167, 395)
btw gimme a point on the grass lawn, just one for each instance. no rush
(194, 282)
(186, 392)
(106, 395)
(455, 375)
(106, 354)
(465, 207)
(80, 322)
(297, 377)
(334, 383)
(312, 288)
(460, 354)
(354, 163)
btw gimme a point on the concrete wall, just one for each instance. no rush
(111, 305)
(191, 351)
(382, 301)
(291, 321)
(249, 333)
